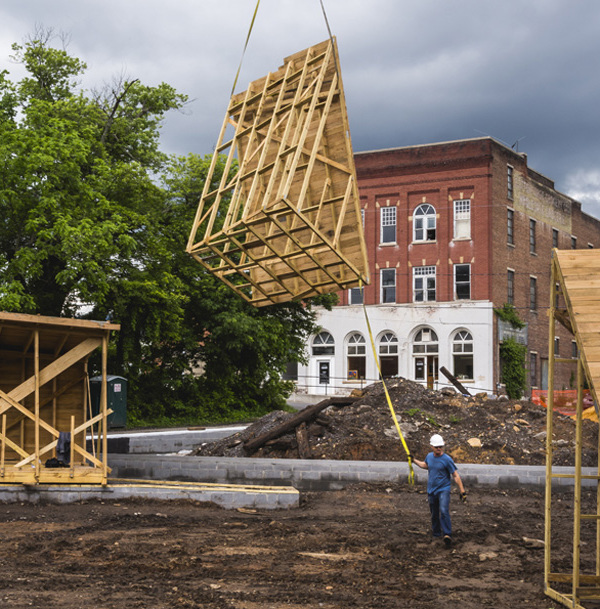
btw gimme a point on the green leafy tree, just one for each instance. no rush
(95, 219)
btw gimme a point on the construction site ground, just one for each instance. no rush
(365, 546)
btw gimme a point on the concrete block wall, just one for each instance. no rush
(320, 475)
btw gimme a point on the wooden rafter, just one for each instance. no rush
(287, 225)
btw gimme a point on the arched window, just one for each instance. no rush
(462, 353)
(357, 356)
(388, 354)
(323, 344)
(425, 349)
(424, 223)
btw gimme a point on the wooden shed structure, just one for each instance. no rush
(575, 303)
(44, 400)
(287, 224)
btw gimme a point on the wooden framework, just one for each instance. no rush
(44, 390)
(287, 225)
(577, 275)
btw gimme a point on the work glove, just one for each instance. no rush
(463, 497)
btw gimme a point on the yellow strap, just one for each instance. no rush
(411, 473)
(245, 47)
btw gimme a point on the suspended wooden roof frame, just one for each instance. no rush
(288, 224)
(576, 276)
(44, 390)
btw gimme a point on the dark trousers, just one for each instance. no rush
(439, 504)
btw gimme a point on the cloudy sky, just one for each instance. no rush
(415, 71)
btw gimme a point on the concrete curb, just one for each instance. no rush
(310, 475)
(226, 496)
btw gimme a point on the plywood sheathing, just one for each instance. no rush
(43, 391)
(575, 277)
(287, 225)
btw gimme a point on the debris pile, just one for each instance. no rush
(476, 429)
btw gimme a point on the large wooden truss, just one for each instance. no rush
(575, 303)
(287, 224)
(44, 390)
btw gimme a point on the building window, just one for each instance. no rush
(425, 355)
(424, 223)
(533, 369)
(532, 236)
(362, 218)
(388, 354)
(510, 295)
(462, 219)
(424, 284)
(533, 293)
(388, 285)
(462, 281)
(510, 227)
(556, 345)
(462, 352)
(510, 182)
(388, 225)
(574, 350)
(355, 296)
(554, 238)
(573, 243)
(357, 360)
(323, 344)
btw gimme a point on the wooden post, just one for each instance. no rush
(577, 499)
(36, 363)
(103, 406)
(549, 429)
(3, 446)
(72, 447)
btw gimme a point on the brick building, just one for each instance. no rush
(453, 230)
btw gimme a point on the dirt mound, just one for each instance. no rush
(476, 430)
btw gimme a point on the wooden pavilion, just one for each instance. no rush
(575, 303)
(287, 224)
(44, 400)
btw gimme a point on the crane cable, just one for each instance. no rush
(411, 473)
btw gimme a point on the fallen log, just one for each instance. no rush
(304, 451)
(307, 414)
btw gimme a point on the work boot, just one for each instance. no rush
(447, 541)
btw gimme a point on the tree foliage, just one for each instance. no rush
(94, 221)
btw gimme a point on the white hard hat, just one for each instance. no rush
(436, 440)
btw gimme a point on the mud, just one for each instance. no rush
(366, 546)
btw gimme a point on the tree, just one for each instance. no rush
(95, 219)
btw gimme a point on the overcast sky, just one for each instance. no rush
(414, 71)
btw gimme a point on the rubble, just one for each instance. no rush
(476, 429)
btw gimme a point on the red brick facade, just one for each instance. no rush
(474, 173)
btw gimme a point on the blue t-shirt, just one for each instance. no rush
(440, 472)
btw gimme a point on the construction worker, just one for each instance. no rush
(442, 470)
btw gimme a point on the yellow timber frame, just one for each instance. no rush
(44, 390)
(576, 277)
(287, 224)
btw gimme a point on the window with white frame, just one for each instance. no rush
(425, 354)
(388, 285)
(532, 228)
(462, 353)
(462, 281)
(323, 344)
(388, 354)
(462, 219)
(510, 291)
(388, 225)
(574, 350)
(356, 356)
(424, 283)
(532, 293)
(554, 237)
(510, 226)
(424, 222)
(355, 296)
(510, 182)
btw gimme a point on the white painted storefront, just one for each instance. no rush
(412, 341)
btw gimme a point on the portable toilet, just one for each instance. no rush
(116, 398)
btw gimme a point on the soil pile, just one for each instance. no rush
(476, 430)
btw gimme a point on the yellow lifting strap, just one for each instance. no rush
(245, 47)
(411, 473)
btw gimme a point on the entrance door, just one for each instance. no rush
(432, 370)
(324, 372)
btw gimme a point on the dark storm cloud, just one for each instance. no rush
(414, 71)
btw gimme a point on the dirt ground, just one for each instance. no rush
(367, 546)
